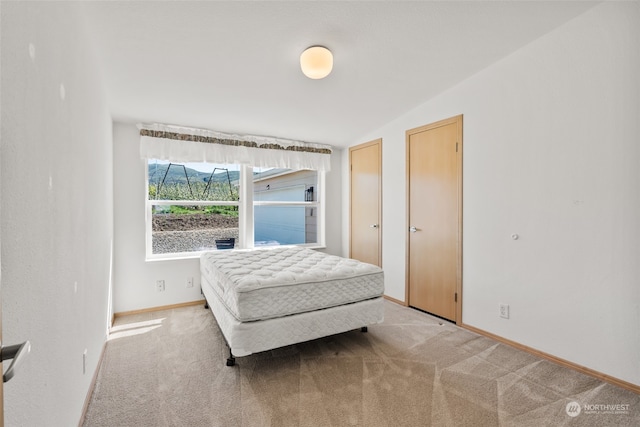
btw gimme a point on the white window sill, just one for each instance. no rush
(196, 255)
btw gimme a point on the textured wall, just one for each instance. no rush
(551, 153)
(56, 211)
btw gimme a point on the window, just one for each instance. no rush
(195, 207)
(285, 206)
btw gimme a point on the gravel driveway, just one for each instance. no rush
(192, 232)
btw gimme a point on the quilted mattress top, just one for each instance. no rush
(266, 283)
(251, 270)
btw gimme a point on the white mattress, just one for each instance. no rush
(269, 283)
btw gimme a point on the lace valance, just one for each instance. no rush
(181, 144)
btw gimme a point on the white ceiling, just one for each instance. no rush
(234, 66)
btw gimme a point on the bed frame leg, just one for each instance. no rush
(206, 305)
(231, 361)
(364, 329)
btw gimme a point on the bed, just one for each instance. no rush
(264, 299)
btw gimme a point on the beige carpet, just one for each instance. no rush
(167, 368)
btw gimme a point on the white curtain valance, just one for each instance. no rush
(181, 144)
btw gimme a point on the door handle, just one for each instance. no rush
(16, 352)
(374, 226)
(412, 229)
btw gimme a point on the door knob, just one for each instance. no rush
(374, 226)
(413, 229)
(17, 353)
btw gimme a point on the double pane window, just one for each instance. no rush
(195, 207)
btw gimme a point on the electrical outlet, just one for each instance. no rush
(189, 282)
(84, 361)
(159, 285)
(504, 311)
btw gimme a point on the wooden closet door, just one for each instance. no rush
(434, 217)
(366, 202)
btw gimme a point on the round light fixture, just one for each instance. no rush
(316, 62)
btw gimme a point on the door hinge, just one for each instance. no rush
(455, 297)
(456, 147)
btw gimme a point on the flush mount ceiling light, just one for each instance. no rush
(316, 62)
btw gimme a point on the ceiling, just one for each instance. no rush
(234, 66)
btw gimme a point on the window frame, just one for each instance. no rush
(245, 206)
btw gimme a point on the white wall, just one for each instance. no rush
(551, 152)
(57, 224)
(134, 278)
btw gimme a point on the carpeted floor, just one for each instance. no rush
(167, 368)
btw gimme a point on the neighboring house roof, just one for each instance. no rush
(271, 173)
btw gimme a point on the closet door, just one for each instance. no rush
(434, 183)
(366, 202)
